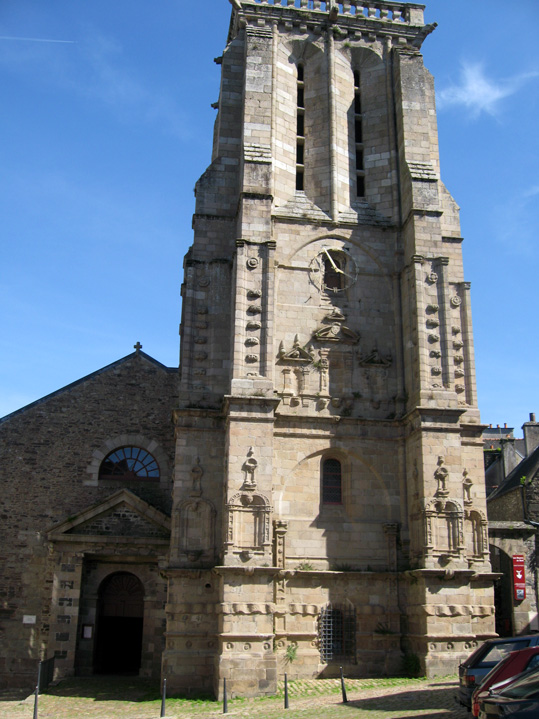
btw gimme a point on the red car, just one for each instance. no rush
(514, 663)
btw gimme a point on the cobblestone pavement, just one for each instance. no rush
(129, 698)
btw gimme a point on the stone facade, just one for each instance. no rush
(513, 512)
(348, 345)
(64, 530)
(326, 505)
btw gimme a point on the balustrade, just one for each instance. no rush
(387, 11)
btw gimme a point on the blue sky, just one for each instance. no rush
(106, 123)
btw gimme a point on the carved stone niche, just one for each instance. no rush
(248, 525)
(443, 528)
(197, 529)
(477, 526)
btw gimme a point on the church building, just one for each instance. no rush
(307, 492)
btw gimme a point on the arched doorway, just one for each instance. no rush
(120, 612)
(503, 597)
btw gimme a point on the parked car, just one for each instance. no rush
(474, 669)
(506, 671)
(519, 700)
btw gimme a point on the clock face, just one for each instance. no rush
(333, 270)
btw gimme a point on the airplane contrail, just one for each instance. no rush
(35, 39)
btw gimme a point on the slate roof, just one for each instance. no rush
(70, 386)
(527, 468)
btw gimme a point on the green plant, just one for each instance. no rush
(305, 567)
(523, 480)
(291, 652)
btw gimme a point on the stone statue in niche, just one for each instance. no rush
(441, 476)
(196, 479)
(249, 467)
(467, 485)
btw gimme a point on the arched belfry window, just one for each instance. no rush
(129, 463)
(331, 481)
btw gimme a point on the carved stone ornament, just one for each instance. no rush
(335, 330)
(432, 323)
(455, 330)
(297, 355)
(202, 310)
(458, 344)
(254, 309)
(199, 356)
(435, 353)
(198, 371)
(252, 263)
(458, 359)
(459, 388)
(459, 373)
(201, 325)
(250, 341)
(201, 340)
(253, 325)
(204, 282)
(432, 278)
(441, 475)
(431, 309)
(251, 358)
(436, 370)
(433, 337)
(455, 300)
(375, 359)
(254, 294)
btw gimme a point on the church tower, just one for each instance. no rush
(329, 504)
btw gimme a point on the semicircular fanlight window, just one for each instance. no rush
(129, 463)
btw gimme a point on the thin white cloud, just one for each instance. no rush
(36, 39)
(478, 93)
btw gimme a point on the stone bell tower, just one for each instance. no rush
(329, 503)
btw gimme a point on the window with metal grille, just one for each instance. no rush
(129, 463)
(337, 633)
(331, 481)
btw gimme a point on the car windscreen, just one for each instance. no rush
(497, 652)
(524, 688)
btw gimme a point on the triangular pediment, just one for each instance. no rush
(122, 516)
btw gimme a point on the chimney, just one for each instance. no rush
(531, 434)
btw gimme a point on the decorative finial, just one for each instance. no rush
(137, 347)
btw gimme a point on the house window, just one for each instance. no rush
(128, 463)
(331, 481)
(337, 633)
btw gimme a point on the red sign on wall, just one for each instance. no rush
(519, 577)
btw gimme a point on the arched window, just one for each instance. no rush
(129, 463)
(337, 633)
(331, 481)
